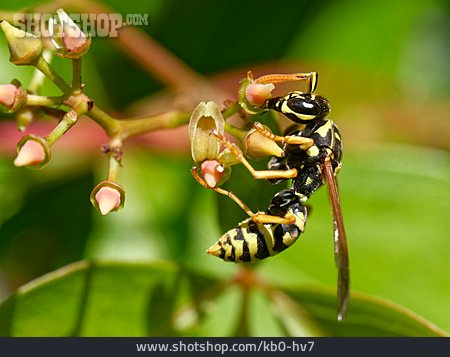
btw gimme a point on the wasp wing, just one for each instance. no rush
(340, 242)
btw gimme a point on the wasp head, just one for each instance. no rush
(300, 107)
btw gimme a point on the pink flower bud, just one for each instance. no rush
(257, 94)
(212, 172)
(31, 153)
(8, 93)
(107, 196)
(252, 95)
(74, 41)
(12, 96)
(108, 199)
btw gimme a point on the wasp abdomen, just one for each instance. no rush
(249, 242)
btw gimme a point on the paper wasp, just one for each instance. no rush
(311, 156)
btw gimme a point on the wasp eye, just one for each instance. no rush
(304, 105)
(308, 107)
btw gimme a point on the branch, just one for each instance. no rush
(42, 65)
(171, 119)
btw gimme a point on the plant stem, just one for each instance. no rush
(231, 110)
(113, 169)
(42, 65)
(37, 79)
(76, 75)
(69, 120)
(111, 125)
(44, 101)
(242, 328)
(236, 132)
(167, 120)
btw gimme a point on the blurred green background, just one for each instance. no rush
(384, 67)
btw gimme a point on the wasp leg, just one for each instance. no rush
(311, 77)
(222, 192)
(304, 143)
(263, 174)
(260, 218)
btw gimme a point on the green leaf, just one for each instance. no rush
(163, 299)
(88, 299)
(46, 224)
(367, 315)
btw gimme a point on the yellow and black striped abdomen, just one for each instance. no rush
(249, 242)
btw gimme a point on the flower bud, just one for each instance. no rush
(256, 145)
(204, 119)
(253, 95)
(256, 94)
(227, 158)
(212, 172)
(24, 47)
(8, 95)
(107, 197)
(12, 96)
(74, 42)
(25, 116)
(32, 151)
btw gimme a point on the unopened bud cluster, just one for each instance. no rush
(33, 151)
